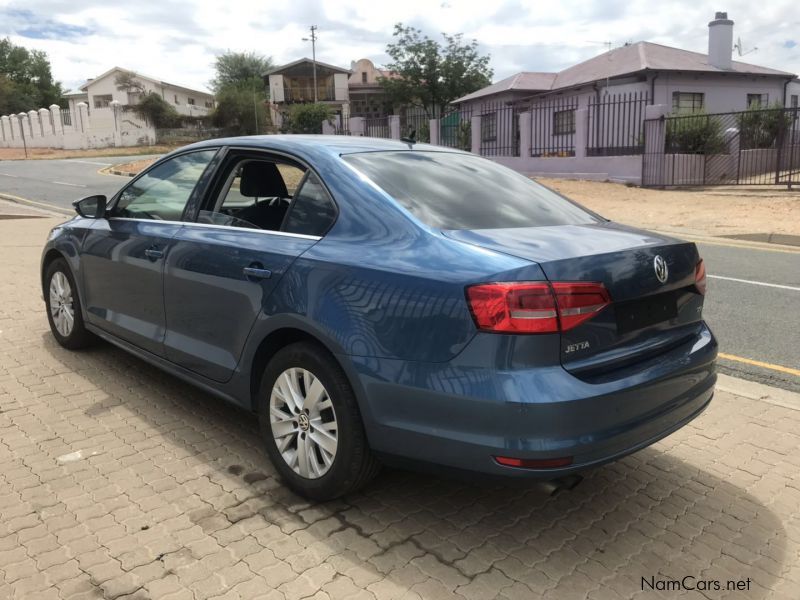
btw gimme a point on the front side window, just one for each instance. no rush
(102, 101)
(793, 101)
(163, 192)
(256, 195)
(687, 102)
(563, 122)
(757, 100)
(489, 127)
(462, 191)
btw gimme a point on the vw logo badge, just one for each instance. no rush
(661, 269)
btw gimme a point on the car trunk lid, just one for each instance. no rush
(646, 315)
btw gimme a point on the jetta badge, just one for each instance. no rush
(661, 269)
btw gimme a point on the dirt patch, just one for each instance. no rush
(706, 211)
(43, 153)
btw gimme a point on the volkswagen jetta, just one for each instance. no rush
(376, 300)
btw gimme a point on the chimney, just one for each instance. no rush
(720, 41)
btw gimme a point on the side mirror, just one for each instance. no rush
(91, 207)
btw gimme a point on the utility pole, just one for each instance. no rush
(313, 40)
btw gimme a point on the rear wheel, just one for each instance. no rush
(311, 424)
(64, 307)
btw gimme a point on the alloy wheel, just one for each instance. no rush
(303, 423)
(61, 307)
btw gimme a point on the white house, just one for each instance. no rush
(686, 81)
(101, 91)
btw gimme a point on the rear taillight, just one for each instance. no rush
(535, 307)
(700, 277)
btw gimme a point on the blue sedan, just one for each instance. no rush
(386, 301)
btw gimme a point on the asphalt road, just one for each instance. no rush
(59, 182)
(753, 303)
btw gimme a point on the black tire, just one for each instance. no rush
(353, 465)
(78, 337)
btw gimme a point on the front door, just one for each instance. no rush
(122, 257)
(222, 269)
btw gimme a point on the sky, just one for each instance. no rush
(177, 40)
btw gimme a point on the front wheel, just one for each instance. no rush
(64, 307)
(311, 424)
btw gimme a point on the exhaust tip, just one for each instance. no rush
(562, 484)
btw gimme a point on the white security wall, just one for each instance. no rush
(66, 129)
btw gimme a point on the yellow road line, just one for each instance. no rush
(50, 207)
(758, 363)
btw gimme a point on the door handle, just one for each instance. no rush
(154, 253)
(257, 272)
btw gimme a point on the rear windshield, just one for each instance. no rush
(459, 191)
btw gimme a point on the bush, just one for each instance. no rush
(156, 111)
(763, 128)
(306, 118)
(695, 134)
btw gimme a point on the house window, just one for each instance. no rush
(489, 127)
(102, 101)
(563, 122)
(757, 100)
(190, 101)
(363, 78)
(176, 99)
(687, 102)
(793, 101)
(209, 104)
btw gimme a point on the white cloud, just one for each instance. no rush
(177, 40)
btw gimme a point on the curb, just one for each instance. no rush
(726, 241)
(41, 206)
(117, 172)
(758, 391)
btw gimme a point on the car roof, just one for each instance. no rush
(316, 145)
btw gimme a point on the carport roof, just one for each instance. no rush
(301, 61)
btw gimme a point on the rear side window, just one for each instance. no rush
(313, 211)
(459, 191)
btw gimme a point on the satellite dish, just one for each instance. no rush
(739, 47)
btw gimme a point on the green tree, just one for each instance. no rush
(239, 69)
(26, 81)
(156, 111)
(240, 92)
(306, 118)
(431, 75)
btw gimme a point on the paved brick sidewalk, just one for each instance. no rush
(117, 481)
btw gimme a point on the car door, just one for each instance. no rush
(122, 256)
(221, 269)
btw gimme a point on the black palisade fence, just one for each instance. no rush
(499, 130)
(616, 124)
(553, 127)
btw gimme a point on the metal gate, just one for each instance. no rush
(752, 147)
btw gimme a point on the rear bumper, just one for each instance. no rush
(460, 416)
